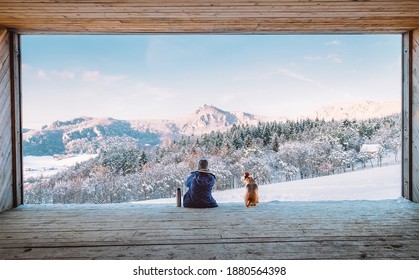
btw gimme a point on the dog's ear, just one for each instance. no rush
(246, 175)
(255, 178)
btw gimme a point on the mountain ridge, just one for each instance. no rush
(89, 135)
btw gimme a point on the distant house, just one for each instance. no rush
(371, 148)
(371, 152)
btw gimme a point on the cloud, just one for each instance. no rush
(291, 74)
(41, 74)
(157, 93)
(297, 76)
(97, 77)
(91, 76)
(47, 74)
(334, 43)
(312, 58)
(64, 74)
(335, 58)
(26, 67)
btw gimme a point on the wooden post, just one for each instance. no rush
(410, 124)
(406, 116)
(11, 178)
(16, 117)
(415, 115)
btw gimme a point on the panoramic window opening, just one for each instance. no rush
(114, 119)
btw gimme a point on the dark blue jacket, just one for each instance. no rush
(200, 186)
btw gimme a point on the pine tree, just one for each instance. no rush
(237, 141)
(143, 158)
(248, 141)
(275, 144)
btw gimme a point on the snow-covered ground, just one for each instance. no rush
(47, 166)
(369, 184)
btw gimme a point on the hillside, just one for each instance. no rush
(358, 110)
(88, 135)
(85, 135)
(368, 184)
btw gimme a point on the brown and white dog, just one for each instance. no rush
(251, 198)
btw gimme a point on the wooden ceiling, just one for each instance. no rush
(216, 16)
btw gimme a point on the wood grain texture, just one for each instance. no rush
(199, 16)
(6, 181)
(16, 119)
(406, 115)
(415, 115)
(278, 230)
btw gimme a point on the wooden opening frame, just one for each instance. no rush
(11, 191)
(410, 116)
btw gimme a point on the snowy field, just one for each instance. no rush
(47, 166)
(369, 184)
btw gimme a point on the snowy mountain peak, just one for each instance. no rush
(89, 134)
(208, 109)
(210, 118)
(62, 124)
(361, 110)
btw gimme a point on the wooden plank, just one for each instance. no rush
(285, 230)
(225, 6)
(5, 159)
(360, 15)
(406, 116)
(274, 251)
(228, 16)
(5, 108)
(4, 55)
(376, 3)
(6, 199)
(163, 10)
(3, 34)
(16, 119)
(415, 114)
(206, 3)
(5, 128)
(243, 26)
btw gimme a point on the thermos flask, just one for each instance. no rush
(178, 198)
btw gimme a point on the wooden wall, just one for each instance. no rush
(410, 163)
(11, 186)
(6, 174)
(415, 114)
(201, 16)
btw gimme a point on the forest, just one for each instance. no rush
(272, 151)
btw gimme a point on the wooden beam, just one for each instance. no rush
(410, 125)
(415, 114)
(219, 16)
(406, 116)
(16, 119)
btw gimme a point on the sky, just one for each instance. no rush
(170, 76)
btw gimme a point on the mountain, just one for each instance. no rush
(85, 135)
(88, 135)
(361, 110)
(209, 118)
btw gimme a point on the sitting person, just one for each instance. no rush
(200, 184)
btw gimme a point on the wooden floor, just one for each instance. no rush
(386, 229)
